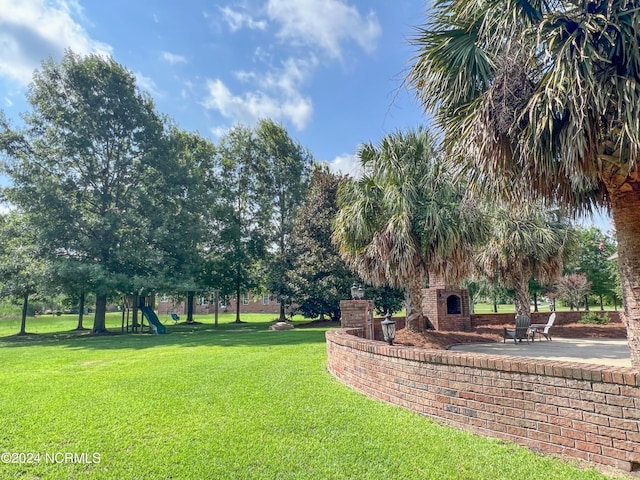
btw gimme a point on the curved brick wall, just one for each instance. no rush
(585, 411)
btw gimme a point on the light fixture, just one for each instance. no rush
(388, 328)
(354, 290)
(360, 293)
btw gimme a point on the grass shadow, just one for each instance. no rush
(185, 335)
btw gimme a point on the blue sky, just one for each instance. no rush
(329, 70)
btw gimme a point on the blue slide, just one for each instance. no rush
(153, 319)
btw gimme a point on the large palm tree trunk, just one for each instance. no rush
(523, 299)
(625, 205)
(415, 319)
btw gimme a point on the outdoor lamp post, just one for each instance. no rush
(357, 292)
(388, 328)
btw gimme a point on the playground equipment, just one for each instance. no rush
(130, 320)
(152, 318)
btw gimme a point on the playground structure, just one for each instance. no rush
(131, 322)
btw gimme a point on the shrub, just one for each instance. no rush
(594, 318)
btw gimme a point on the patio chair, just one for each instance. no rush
(542, 329)
(522, 331)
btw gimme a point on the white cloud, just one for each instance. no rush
(324, 23)
(237, 19)
(276, 95)
(8, 102)
(173, 58)
(252, 106)
(347, 164)
(33, 30)
(148, 85)
(218, 132)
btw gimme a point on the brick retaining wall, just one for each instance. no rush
(585, 411)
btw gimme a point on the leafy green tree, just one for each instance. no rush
(191, 189)
(526, 242)
(319, 278)
(283, 180)
(406, 218)
(240, 221)
(592, 258)
(21, 270)
(544, 96)
(89, 167)
(386, 299)
(75, 280)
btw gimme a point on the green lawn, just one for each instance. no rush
(543, 307)
(236, 402)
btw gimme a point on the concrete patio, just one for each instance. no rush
(600, 351)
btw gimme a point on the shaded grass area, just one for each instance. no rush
(233, 402)
(44, 324)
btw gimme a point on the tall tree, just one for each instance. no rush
(406, 218)
(592, 258)
(319, 278)
(21, 270)
(284, 183)
(87, 168)
(191, 189)
(526, 243)
(240, 222)
(548, 92)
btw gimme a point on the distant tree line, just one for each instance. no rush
(107, 197)
(110, 198)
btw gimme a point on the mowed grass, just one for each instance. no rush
(232, 402)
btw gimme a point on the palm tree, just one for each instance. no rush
(405, 218)
(548, 92)
(526, 242)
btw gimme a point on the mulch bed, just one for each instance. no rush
(489, 333)
(493, 333)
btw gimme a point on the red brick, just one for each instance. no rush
(581, 414)
(588, 447)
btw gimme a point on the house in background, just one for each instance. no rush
(265, 303)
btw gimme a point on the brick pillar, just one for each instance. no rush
(447, 308)
(357, 314)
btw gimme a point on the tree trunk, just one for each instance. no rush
(282, 317)
(81, 313)
(190, 296)
(625, 205)
(586, 303)
(522, 298)
(238, 304)
(601, 303)
(23, 321)
(215, 310)
(415, 320)
(535, 301)
(99, 323)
